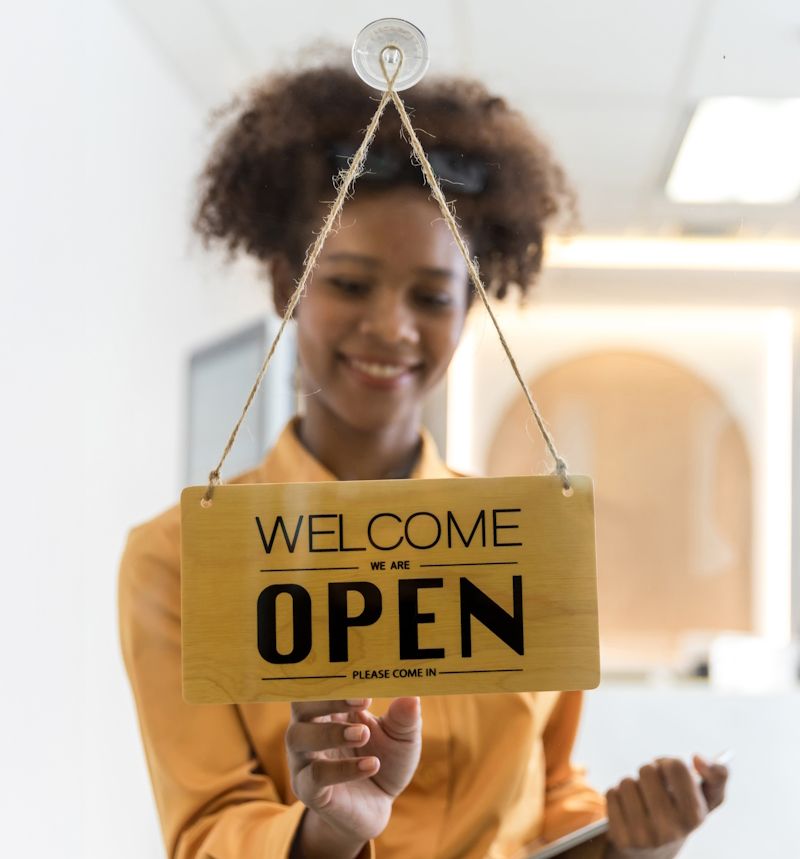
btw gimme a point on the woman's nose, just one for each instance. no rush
(389, 318)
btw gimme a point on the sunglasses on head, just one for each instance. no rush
(465, 174)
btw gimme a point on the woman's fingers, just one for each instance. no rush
(634, 812)
(313, 782)
(402, 720)
(662, 806)
(617, 829)
(685, 793)
(304, 711)
(304, 737)
(715, 779)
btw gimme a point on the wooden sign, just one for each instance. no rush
(348, 589)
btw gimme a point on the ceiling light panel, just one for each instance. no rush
(739, 150)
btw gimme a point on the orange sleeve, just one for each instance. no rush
(570, 802)
(213, 799)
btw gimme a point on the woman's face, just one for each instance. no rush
(383, 312)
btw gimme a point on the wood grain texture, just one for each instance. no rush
(487, 585)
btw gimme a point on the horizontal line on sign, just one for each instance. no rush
(302, 569)
(472, 564)
(309, 677)
(481, 671)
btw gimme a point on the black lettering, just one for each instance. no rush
(496, 526)
(475, 603)
(342, 547)
(410, 617)
(339, 620)
(279, 522)
(268, 628)
(452, 523)
(369, 531)
(435, 540)
(312, 533)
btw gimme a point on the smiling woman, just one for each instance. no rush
(386, 305)
(379, 322)
(377, 327)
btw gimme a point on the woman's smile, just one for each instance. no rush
(382, 315)
(380, 373)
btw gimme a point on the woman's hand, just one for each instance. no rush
(651, 816)
(347, 767)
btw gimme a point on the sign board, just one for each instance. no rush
(306, 591)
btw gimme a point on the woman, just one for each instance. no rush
(378, 325)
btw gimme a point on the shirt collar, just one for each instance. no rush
(290, 462)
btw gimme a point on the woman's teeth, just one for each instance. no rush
(379, 371)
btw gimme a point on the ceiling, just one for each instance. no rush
(611, 85)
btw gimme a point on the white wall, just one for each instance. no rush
(103, 298)
(41, 499)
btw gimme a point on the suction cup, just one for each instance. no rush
(399, 43)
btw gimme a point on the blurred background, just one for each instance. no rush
(662, 345)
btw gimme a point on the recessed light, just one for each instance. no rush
(739, 150)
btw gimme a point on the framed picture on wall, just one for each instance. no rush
(220, 376)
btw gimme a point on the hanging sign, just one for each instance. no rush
(350, 589)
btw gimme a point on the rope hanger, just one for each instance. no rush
(343, 183)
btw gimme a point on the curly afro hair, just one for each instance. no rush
(264, 184)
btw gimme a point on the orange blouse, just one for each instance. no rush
(495, 771)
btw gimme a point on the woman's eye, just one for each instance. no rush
(349, 287)
(435, 300)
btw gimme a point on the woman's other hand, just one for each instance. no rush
(347, 767)
(650, 817)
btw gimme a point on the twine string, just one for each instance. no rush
(433, 182)
(343, 183)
